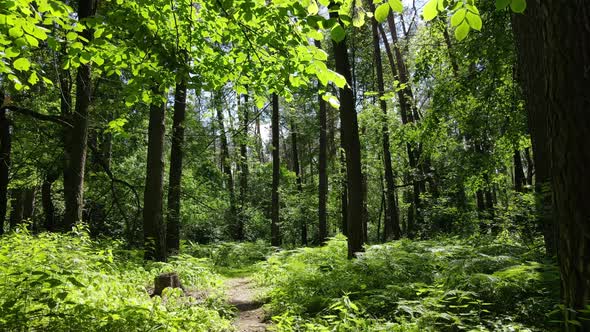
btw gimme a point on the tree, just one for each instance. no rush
(175, 179)
(349, 132)
(551, 63)
(276, 169)
(153, 222)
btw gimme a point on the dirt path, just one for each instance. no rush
(242, 294)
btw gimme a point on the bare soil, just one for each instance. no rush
(242, 294)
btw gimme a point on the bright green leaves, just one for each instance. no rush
(332, 100)
(382, 11)
(464, 19)
(432, 8)
(313, 8)
(337, 33)
(517, 6)
(22, 64)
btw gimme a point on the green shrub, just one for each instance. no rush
(56, 282)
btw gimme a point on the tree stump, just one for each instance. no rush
(165, 280)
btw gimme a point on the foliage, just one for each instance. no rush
(70, 282)
(445, 284)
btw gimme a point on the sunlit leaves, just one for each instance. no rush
(381, 12)
(462, 30)
(21, 64)
(396, 5)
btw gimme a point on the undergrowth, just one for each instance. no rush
(57, 282)
(443, 285)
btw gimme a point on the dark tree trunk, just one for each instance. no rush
(322, 169)
(244, 171)
(47, 201)
(76, 143)
(297, 169)
(344, 194)
(554, 38)
(29, 203)
(5, 146)
(153, 226)
(391, 224)
(530, 51)
(175, 175)
(17, 208)
(276, 169)
(350, 136)
(519, 179)
(226, 169)
(530, 166)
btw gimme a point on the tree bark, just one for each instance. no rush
(276, 169)
(175, 175)
(554, 37)
(153, 226)
(17, 208)
(391, 226)
(47, 201)
(322, 169)
(76, 143)
(5, 147)
(297, 169)
(519, 179)
(244, 171)
(226, 169)
(349, 132)
(530, 51)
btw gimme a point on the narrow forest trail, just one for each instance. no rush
(242, 295)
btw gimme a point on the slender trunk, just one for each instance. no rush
(259, 148)
(530, 167)
(76, 144)
(153, 225)
(297, 169)
(175, 175)
(276, 169)
(226, 169)
(519, 179)
(243, 169)
(29, 203)
(5, 147)
(47, 201)
(344, 194)
(391, 225)
(352, 147)
(17, 208)
(322, 169)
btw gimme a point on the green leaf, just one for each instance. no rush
(337, 33)
(430, 11)
(358, 20)
(474, 21)
(33, 78)
(332, 100)
(15, 32)
(462, 31)
(458, 17)
(518, 6)
(21, 64)
(502, 4)
(396, 5)
(313, 8)
(381, 12)
(11, 52)
(71, 36)
(39, 33)
(98, 60)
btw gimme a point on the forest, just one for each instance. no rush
(294, 165)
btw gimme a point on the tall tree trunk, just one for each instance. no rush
(322, 168)
(5, 146)
(153, 226)
(244, 172)
(29, 203)
(276, 169)
(530, 166)
(175, 175)
(47, 201)
(352, 147)
(297, 169)
(344, 194)
(17, 208)
(530, 52)
(76, 143)
(259, 147)
(226, 169)
(554, 37)
(391, 225)
(519, 179)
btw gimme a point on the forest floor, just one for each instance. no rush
(242, 294)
